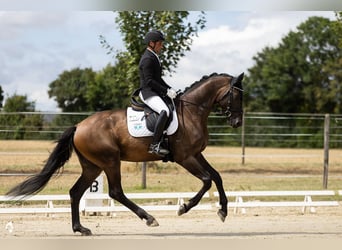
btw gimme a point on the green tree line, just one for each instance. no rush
(301, 75)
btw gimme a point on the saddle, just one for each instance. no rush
(150, 115)
(141, 121)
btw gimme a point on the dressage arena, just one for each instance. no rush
(255, 224)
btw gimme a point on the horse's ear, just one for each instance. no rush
(240, 77)
(237, 81)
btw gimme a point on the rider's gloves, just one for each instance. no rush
(171, 93)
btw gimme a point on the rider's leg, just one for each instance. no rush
(158, 105)
(155, 146)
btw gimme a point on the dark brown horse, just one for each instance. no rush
(102, 140)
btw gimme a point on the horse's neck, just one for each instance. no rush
(206, 94)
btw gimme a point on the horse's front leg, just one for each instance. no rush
(141, 213)
(215, 176)
(195, 168)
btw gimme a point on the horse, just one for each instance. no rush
(101, 141)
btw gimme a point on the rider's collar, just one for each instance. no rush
(154, 53)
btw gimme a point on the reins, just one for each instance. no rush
(193, 104)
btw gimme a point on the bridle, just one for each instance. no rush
(230, 93)
(229, 110)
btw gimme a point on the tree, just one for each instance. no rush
(83, 90)
(18, 103)
(80, 90)
(109, 89)
(15, 122)
(300, 74)
(135, 24)
(333, 68)
(338, 26)
(70, 89)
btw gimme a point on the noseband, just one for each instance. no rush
(229, 110)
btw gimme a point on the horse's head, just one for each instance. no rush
(222, 89)
(231, 102)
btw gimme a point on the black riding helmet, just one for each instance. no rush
(154, 36)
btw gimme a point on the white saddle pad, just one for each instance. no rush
(137, 125)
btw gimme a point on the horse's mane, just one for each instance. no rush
(203, 79)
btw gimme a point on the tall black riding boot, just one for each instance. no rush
(155, 147)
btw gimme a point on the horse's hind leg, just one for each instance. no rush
(116, 192)
(89, 174)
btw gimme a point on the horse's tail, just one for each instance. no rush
(59, 156)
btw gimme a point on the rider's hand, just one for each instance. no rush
(171, 93)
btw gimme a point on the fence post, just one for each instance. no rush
(243, 139)
(143, 175)
(326, 150)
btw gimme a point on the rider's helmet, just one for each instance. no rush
(154, 36)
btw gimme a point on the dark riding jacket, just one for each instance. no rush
(151, 82)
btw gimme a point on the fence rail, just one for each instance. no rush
(290, 130)
(259, 129)
(278, 130)
(310, 200)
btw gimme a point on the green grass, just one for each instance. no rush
(264, 169)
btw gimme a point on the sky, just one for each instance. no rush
(37, 46)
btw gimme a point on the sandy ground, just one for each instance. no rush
(257, 223)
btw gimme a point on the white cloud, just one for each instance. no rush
(35, 47)
(230, 50)
(14, 24)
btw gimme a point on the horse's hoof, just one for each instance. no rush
(222, 215)
(84, 231)
(152, 222)
(181, 210)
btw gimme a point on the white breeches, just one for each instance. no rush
(155, 103)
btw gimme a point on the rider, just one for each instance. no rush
(153, 87)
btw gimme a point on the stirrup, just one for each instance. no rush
(158, 150)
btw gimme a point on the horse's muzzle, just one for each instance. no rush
(235, 122)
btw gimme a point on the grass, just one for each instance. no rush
(264, 169)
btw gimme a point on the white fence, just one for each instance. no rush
(307, 201)
(158, 201)
(171, 201)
